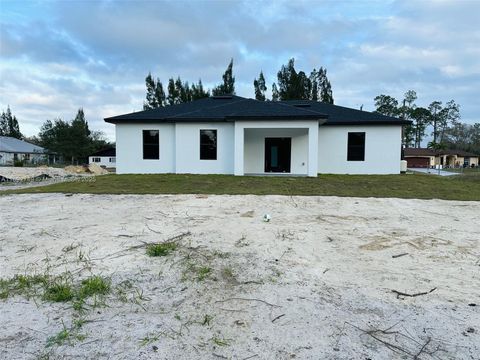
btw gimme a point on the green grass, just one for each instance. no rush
(162, 249)
(59, 292)
(95, 285)
(203, 273)
(27, 285)
(464, 187)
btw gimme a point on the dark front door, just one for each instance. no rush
(277, 154)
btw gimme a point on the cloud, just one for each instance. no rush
(59, 56)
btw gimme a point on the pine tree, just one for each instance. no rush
(3, 124)
(314, 85)
(260, 87)
(275, 94)
(435, 109)
(159, 94)
(9, 125)
(151, 102)
(173, 95)
(228, 86)
(198, 92)
(326, 94)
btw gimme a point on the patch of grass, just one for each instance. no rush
(203, 272)
(420, 186)
(95, 285)
(26, 285)
(161, 249)
(59, 292)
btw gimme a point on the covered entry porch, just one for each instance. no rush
(276, 148)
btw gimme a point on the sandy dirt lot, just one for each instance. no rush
(313, 283)
(13, 178)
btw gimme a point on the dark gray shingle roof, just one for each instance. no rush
(231, 108)
(12, 145)
(340, 115)
(105, 152)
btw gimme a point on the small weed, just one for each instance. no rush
(79, 305)
(203, 273)
(149, 339)
(161, 249)
(70, 247)
(207, 320)
(95, 285)
(59, 292)
(221, 255)
(65, 335)
(177, 317)
(58, 339)
(227, 273)
(220, 341)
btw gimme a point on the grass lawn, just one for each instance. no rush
(462, 187)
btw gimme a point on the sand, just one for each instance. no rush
(12, 178)
(315, 282)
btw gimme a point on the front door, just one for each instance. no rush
(278, 154)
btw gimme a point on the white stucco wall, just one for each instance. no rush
(382, 150)
(129, 149)
(188, 148)
(179, 149)
(104, 161)
(254, 149)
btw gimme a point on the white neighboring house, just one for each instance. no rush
(105, 158)
(234, 135)
(12, 149)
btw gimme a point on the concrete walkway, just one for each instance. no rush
(433, 171)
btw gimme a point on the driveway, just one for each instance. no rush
(433, 171)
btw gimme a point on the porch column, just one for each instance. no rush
(313, 150)
(238, 149)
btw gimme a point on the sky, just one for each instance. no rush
(58, 56)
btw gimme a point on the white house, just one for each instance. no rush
(235, 135)
(105, 158)
(12, 150)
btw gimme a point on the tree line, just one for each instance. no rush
(447, 131)
(291, 85)
(71, 141)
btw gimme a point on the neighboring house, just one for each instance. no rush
(104, 158)
(428, 158)
(12, 149)
(419, 157)
(235, 135)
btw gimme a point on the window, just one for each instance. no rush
(208, 144)
(112, 160)
(151, 145)
(26, 157)
(356, 146)
(96, 159)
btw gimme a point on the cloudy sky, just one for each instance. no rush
(57, 56)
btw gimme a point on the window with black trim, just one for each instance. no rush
(356, 146)
(208, 144)
(151, 145)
